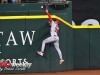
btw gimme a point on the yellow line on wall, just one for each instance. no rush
(44, 17)
(81, 27)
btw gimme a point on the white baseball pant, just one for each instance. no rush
(56, 44)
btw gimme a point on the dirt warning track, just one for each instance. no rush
(72, 72)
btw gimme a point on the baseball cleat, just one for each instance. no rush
(61, 61)
(40, 53)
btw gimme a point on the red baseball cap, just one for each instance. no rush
(58, 22)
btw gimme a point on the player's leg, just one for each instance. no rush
(48, 40)
(56, 44)
(44, 43)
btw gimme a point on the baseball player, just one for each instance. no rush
(53, 38)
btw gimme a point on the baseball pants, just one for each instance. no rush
(56, 44)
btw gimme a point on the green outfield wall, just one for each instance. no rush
(19, 52)
(86, 48)
(23, 27)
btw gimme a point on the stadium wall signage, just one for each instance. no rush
(12, 38)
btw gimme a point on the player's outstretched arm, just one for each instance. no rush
(50, 18)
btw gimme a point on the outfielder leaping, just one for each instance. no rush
(53, 38)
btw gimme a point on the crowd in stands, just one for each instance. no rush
(27, 1)
(10, 1)
(18, 1)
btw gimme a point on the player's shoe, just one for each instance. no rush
(61, 61)
(40, 53)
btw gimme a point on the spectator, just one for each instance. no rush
(4, 1)
(13, 1)
(16, 1)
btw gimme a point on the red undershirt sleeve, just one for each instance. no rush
(50, 18)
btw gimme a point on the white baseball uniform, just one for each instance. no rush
(53, 38)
